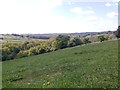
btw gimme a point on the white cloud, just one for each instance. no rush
(116, 4)
(89, 12)
(115, 0)
(79, 10)
(102, 24)
(108, 4)
(70, 3)
(27, 18)
(90, 7)
(112, 14)
(93, 18)
(38, 18)
(49, 4)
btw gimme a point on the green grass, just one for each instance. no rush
(88, 66)
(12, 38)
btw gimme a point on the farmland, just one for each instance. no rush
(87, 66)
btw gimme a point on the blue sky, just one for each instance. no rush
(57, 16)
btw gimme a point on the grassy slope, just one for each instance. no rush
(93, 65)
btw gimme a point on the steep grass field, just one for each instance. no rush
(89, 66)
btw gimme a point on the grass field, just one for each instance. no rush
(12, 38)
(88, 66)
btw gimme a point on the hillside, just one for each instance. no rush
(77, 34)
(88, 66)
(17, 37)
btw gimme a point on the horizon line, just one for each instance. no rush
(60, 32)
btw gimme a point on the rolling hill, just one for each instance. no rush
(89, 66)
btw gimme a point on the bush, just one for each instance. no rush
(22, 54)
(40, 50)
(11, 50)
(71, 43)
(62, 41)
(32, 51)
(86, 41)
(74, 42)
(101, 38)
(52, 44)
(6, 54)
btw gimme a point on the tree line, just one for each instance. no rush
(12, 50)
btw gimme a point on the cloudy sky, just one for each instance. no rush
(57, 16)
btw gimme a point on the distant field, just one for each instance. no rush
(9, 38)
(12, 38)
(88, 66)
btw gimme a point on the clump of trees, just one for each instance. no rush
(74, 42)
(12, 50)
(102, 38)
(86, 41)
(62, 41)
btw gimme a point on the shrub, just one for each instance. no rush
(62, 41)
(101, 38)
(86, 41)
(52, 44)
(32, 51)
(22, 54)
(74, 42)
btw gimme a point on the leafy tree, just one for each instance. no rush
(71, 43)
(117, 33)
(86, 40)
(52, 43)
(40, 50)
(22, 54)
(74, 42)
(5, 53)
(14, 49)
(107, 37)
(24, 45)
(77, 41)
(101, 38)
(32, 51)
(62, 41)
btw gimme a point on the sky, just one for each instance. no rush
(57, 16)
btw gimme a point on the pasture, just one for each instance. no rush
(87, 66)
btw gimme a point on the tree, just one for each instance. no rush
(52, 44)
(14, 49)
(24, 45)
(32, 51)
(101, 38)
(71, 43)
(62, 41)
(77, 41)
(86, 40)
(22, 54)
(5, 53)
(74, 42)
(107, 37)
(117, 33)
(40, 50)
